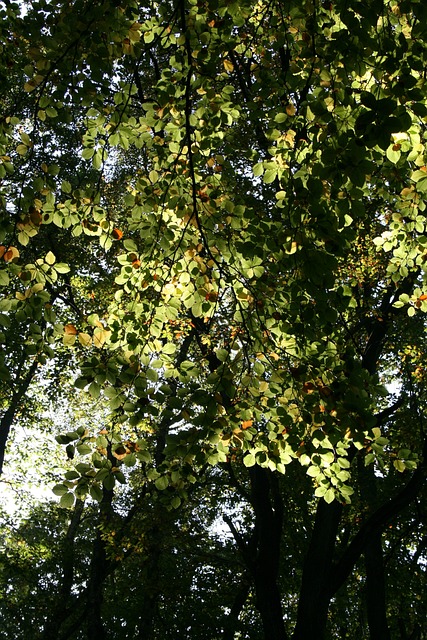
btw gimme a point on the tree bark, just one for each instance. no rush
(268, 508)
(9, 415)
(375, 589)
(375, 593)
(151, 585)
(232, 620)
(95, 629)
(315, 594)
(61, 610)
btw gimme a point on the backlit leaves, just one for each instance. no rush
(240, 206)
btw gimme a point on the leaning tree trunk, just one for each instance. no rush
(18, 398)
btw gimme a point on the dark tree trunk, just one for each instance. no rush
(268, 508)
(375, 589)
(315, 594)
(269, 605)
(99, 569)
(232, 620)
(375, 594)
(61, 609)
(95, 626)
(16, 401)
(151, 585)
(5, 424)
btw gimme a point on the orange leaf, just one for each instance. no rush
(35, 216)
(308, 387)
(70, 330)
(11, 254)
(117, 234)
(423, 297)
(120, 452)
(247, 423)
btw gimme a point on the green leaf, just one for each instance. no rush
(88, 153)
(392, 154)
(97, 159)
(96, 493)
(258, 169)
(280, 117)
(161, 483)
(269, 176)
(83, 449)
(67, 500)
(94, 390)
(313, 471)
(109, 482)
(60, 489)
(399, 465)
(222, 354)
(175, 502)
(329, 496)
(249, 460)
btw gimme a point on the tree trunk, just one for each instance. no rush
(375, 581)
(9, 415)
(315, 591)
(61, 610)
(99, 568)
(232, 620)
(375, 589)
(268, 507)
(151, 585)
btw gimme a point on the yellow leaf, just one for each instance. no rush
(228, 66)
(50, 258)
(68, 339)
(29, 86)
(85, 339)
(100, 337)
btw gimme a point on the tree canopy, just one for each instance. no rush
(213, 254)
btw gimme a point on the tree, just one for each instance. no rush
(218, 210)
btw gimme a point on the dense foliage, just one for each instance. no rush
(213, 295)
